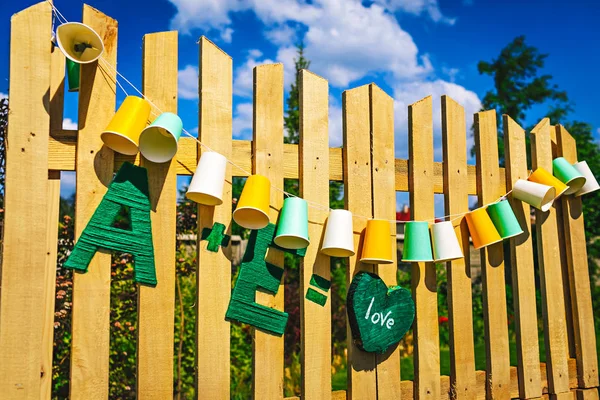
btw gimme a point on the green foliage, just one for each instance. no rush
(292, 118)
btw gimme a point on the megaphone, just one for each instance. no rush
(79, 42)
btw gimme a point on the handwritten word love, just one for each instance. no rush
(378, 317)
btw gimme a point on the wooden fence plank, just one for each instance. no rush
(314, 186)
(91, 290)
(492, 262)
(460, 302)
(268, 159)
(523, 275)
(214, 269)
(57, 89)
(553, 309)
(384, 207)
(362, 382)
(26, 206)
(425, 327)
(579, 279)
(156, 315)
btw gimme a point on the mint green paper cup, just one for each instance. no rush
(504, 219)
(417, 242)
(158, 141)
(292, 228)
(73, 74)
(568, 175)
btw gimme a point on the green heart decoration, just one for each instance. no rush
(378, 316)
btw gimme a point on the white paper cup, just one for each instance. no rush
(591, 184)
(535, 194)
(445, 242)
(338, 240)
(206, 186)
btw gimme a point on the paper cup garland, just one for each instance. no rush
(79, 42)
(417, 243)
(252, 211)
(73, 74)
(568, 174)
(535, 194)
(591, 184)
(377, 244)
(158, 141)
(123, 132)
(445, 242)
(482, 229)
(504, 219)
(292, 228)
(338, 240)
(544, 177)
(207, 183)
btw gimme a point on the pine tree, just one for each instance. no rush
(292, 119)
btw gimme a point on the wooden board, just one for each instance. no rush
(523, 275)
(384, 207)
(424, 286)
(579, 279)
(91, 290)
(214, 269)
(156, 315)
(362, 380)
(492, 261)
(268, 157)
(553, 306)
(314, 186)
(460, 302)
(26, 199)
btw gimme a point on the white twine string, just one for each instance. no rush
(312, 204)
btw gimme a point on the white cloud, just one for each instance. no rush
(451, 73)
(69, 125)
(335, 123)
(187, 82)
(598, 131)
(243, 76)
(417, 7)
(226, 35)
(3, 95)
(281, 35)
(67, 183)
(242, 121)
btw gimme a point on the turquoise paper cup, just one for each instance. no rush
(504, 219)
(417, 242)
(158, 142)
(292, 229)
(568, 175)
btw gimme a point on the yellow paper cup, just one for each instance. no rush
(252, 211)
(123, 132)
(482, 229)
(377, 245)
(544, 177)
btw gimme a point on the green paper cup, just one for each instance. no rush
(292, 229)
(568, 174)
(73, 70)
(158, 141)
(417, 242)
(504, 219)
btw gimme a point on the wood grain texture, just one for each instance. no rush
(425, 327)
(57, 89)
(553, 306)
(523, 275)
(456, 200)
(91, 290)
(24, 264)
(268, 159)
(315, 320)
(492, 261)
(362, 380)
(384, 207)
(156, 316)
(579, 279)
(214, 269)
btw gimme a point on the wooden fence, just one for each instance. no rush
(39, 149)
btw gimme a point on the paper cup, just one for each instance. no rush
(504, 219)
(252, 211)
(73, 74)
(568, 174)
(482, 229)
(591, 184)
(445, 242)
(544, 177)
(417, 242)
(123, 132)
(158, 141)
(535, 194)
(377, 244)
(79, 42)
(338, 240)
(292, 228)
(207, 183)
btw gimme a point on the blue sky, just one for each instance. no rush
(411, 48)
